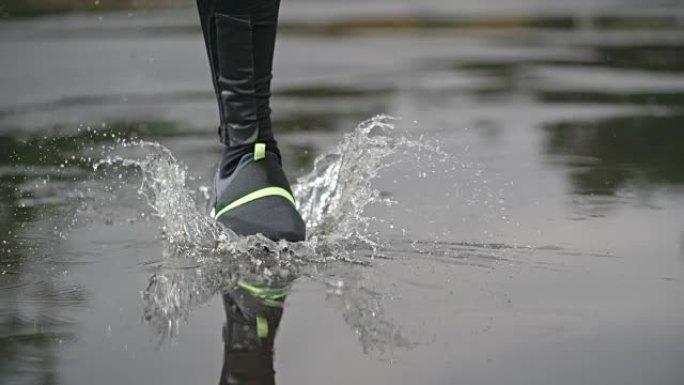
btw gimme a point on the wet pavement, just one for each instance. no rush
(548, 249)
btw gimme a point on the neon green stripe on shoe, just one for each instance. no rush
(262, 327)
(259, 151)
(268, 296)
(265, 292)
(258, 194)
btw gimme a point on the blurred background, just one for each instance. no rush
(566, 268)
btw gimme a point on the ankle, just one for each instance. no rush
(232, 154)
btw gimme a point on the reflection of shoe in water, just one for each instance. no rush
(256, 198)
(252, 318)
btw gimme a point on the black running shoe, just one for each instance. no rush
(256, 199)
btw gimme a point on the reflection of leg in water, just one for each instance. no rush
(252, 192)
(252, 317)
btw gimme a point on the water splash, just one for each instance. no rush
(332, 198)
(363, 310)
(203, 258)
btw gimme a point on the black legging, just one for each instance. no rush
(240, 38)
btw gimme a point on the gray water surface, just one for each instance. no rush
(548, 248)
